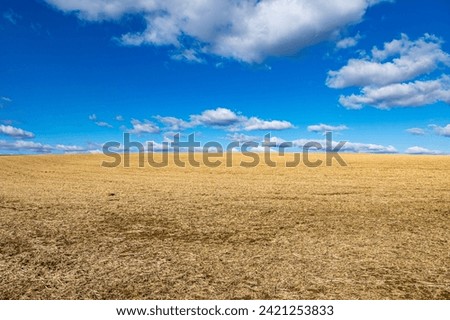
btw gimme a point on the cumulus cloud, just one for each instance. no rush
(119, 118)
(156, 146)
(21, 145)
(413, 94)
(322, 128)
(15, 132)
(441, 131)
(223, 118)
(70, 148)
(96, 151)
(93, 117)
(348, 42)
(241, 138)
(420, 150)
(220, 117)
(368, 148)
(146, 126)
(275, 140)
(383, 75)
(416, 131)
(245, 30)
(174, 124)
(254, 123)
(354, 147)
(409, 60)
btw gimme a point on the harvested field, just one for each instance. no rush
(376, 229)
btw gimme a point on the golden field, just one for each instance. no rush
(376, 229)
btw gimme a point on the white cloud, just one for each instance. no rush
(143, 127)
(254, 123)
(188, 55)
(420, 150)
(93, 117)
(245, 30)
(416, 131)
(15, 132)
(11, 17)
(441, 131)
(220, 117)
(6, 99)
(300, 143)
(119, 118)
(409, 60)
(96, 151)
(354, 147)
(226, 119)
(241, 138)
(260, 149)
(277, 140)
(368, 148)
(413, 94)
(103, 124)
(173, 123)
(383, 75)
(69, 148)
(21, 145)
(348, 42)
(157, 146)
(326, 128)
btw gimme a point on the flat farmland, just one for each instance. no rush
(378, 228)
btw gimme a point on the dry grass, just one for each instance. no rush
(377, 229)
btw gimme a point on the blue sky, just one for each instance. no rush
(376, 73)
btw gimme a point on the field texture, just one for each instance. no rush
(376, 229)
